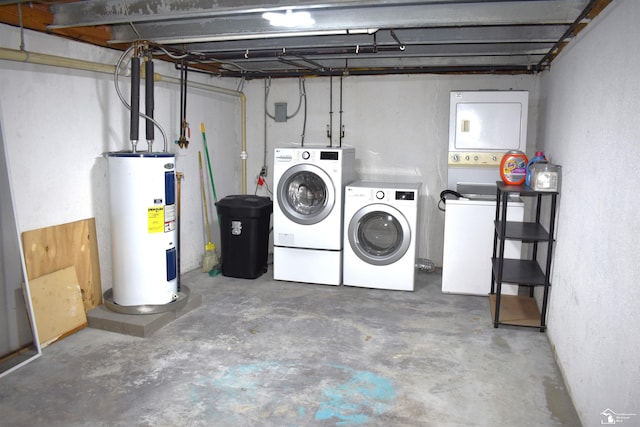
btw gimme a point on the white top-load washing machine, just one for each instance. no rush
(381, 221)
(308, 212)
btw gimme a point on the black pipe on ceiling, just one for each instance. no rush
(500, 69)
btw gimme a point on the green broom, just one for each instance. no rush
(210, 259)
(214, 271)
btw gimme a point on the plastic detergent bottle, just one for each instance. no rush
(539, 157)
(513, 167)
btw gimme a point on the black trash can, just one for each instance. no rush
(244, 235)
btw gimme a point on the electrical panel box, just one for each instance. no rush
(281, 112)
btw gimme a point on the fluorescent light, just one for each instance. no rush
(252, 36)
(289, 19)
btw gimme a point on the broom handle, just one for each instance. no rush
(206, 152)
(204, 200)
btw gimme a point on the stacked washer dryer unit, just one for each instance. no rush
(308, 212)
(483, 126)
(381, 221)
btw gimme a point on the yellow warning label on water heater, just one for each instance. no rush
(155, 219)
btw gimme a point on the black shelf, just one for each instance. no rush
(525, 231)
(521, 310)
(523, 190)
(519, 271)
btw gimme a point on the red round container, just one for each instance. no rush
(513, 167)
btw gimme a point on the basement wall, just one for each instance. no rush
(398, 124)
(58, 122)
(589, 108)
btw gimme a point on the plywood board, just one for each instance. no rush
(516, 310)
(54, 248)
(57, 305)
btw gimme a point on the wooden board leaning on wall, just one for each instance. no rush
(50, 249)
(57, 305)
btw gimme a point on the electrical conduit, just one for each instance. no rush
(79, 64)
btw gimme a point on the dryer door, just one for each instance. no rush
(379, 234)
(306, 194)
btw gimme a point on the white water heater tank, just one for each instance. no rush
(144, 228)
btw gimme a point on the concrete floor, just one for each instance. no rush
(268, 353)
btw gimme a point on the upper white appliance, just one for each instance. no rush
(483, 126)
(308, 212)
(381, 221)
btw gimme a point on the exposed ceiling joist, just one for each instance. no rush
(231, 37)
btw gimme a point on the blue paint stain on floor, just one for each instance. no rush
(353, 403)
(221, 393)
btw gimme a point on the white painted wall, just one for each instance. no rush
(589, 116)
(58, 122)
(398, 125)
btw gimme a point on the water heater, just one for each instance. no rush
(144, 228)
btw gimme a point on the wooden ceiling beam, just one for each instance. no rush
(37, 17)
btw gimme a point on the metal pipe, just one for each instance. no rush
(330, 130)
(56, 61)
(182, 141)
(243, 149)
(341, 128)
(243, 112)
(79, 64)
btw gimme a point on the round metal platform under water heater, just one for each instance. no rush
(181, 299)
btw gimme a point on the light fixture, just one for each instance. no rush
(251, 36)
(289, 19)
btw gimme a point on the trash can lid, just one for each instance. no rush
(245, 205)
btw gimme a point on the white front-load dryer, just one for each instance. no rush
(380, 225)
(308, 212)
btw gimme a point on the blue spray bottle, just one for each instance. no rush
(537, 158)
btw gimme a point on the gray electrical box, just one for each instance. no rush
(281, 111)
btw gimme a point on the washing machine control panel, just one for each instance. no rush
(405, 195)
(385, 195)
(288, 155)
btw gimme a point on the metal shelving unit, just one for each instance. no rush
(521, 310)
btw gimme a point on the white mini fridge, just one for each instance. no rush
(468, 245)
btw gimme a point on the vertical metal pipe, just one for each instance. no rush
(183, 142)
(340, 128)
(184, 106)
(330, 131)
(243, 149)
(182, 95)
